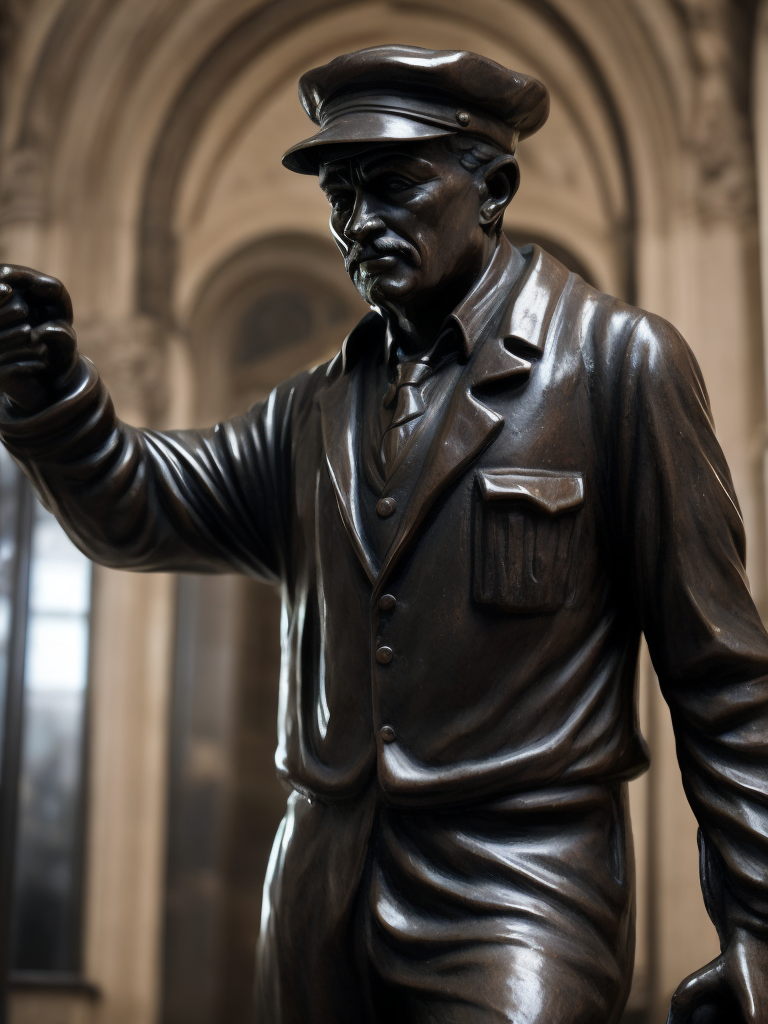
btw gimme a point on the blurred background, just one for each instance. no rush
(140, 145)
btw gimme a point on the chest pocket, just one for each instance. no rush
(525, 529)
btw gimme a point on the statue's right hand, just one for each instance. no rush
(38, 347)
(732, 989)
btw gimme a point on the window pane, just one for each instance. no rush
(47, 887)
(57, 653)
(60, 578)
(47, 913)
(9, 499)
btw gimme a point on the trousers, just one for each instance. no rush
(519, 910)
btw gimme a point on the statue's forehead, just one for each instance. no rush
(377, 154)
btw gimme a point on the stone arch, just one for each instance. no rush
(302, 273)
(167, 65)
(250, 39)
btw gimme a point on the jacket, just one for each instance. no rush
(571, 497)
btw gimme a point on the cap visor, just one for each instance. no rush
(354, 130)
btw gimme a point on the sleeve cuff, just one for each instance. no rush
(44, 433)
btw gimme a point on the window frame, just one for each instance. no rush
(14, 699)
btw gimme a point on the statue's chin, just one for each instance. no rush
(379, 289)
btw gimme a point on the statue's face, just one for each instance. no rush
(406, 218)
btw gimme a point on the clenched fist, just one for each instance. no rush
(38, 350)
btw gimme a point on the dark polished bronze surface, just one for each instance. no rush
(463, 612)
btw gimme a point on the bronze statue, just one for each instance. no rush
(473, 511)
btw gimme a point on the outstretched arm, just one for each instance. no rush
(683, 542)
(213, 500)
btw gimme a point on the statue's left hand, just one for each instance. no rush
(732, 989)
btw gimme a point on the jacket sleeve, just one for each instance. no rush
(197, 501)
(683, 541)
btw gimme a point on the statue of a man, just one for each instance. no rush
(474, 511)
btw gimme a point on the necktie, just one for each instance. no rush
(404, 395)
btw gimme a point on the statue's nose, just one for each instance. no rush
(364, 221)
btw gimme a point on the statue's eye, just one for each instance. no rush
(339, 200)
(395, 184)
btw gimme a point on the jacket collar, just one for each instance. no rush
(485, 303)
(481, 307)
(511, 309)
(531, 305)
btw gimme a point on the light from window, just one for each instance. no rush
(49, 840)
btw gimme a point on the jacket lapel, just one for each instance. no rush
(468, 425)
(341, 418)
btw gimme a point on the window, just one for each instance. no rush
(45, 600)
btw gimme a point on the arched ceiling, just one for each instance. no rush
(289, 261)
(155, 126)
(232, 183)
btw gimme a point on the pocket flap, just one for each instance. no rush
(552, 492)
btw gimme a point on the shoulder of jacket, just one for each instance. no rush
(286, 398)
(605, 318)
(617, 330)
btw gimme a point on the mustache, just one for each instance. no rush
(381, 247)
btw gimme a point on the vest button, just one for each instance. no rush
(386, 506)
(384, 655)
(387, 602)
(387, 734)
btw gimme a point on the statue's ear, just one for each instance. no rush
(499, 181)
